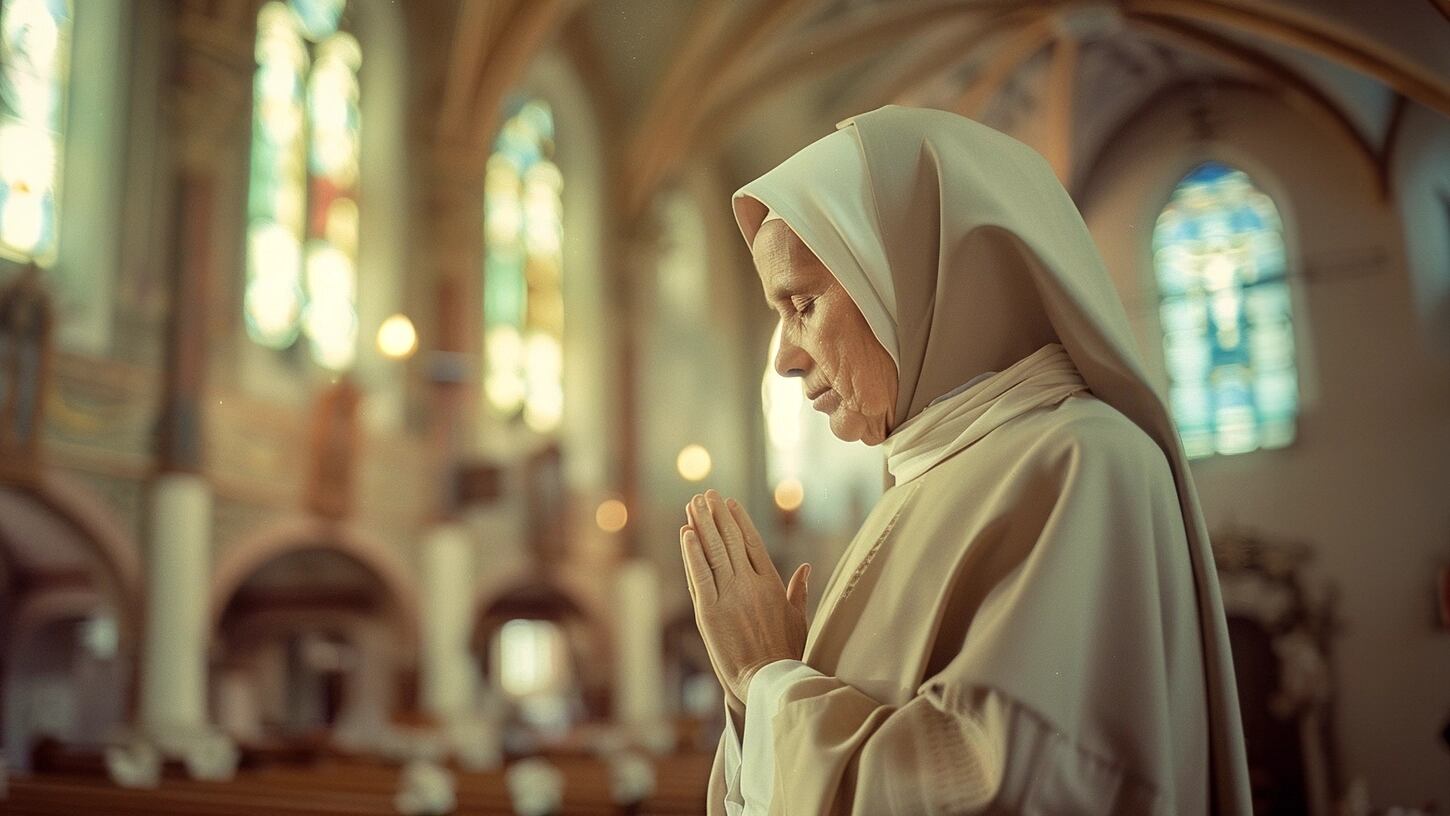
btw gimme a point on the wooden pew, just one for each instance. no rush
(339, 786)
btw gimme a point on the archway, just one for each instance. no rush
(311, 624)
(531, 641)
(69, 596)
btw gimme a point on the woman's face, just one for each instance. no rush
(824, 338)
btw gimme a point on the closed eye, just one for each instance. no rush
(803, 304)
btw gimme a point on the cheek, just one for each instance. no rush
(852, 359)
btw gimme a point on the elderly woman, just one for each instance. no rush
(1028, 621)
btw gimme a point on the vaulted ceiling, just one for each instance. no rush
(749, 80)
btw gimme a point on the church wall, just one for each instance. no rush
(259, 415)
(1420, 179)
(1363, 484)
(698, 382)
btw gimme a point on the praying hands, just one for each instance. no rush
(746, 615)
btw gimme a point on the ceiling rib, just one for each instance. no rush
(1307, 34)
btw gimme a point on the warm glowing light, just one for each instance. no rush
(789, 494)
(611, 515)
(693, 462)
(397, 339)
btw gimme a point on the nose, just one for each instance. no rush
(791, 360)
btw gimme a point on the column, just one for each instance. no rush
(178, 574)
(447, 610)
(639, 698)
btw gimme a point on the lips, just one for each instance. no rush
(814, 395)
(826, 402)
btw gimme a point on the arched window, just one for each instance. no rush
(1228, 340)
(523, 296)
(35, 38)
(532, 657)
(302, 212)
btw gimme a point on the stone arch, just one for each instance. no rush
(243, 558)
(99, 527)
(534, 594)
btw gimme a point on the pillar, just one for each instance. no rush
(639, 698)
(447, 610)
(178, 577)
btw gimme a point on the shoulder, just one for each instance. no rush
(1081, 436)
(1050, 450)
(1088, 426)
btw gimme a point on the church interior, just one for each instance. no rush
(357, 359)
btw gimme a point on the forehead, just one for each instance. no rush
(780, 254)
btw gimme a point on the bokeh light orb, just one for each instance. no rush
(693, 462)
(789, 494)
(611, 515)
(397, 339)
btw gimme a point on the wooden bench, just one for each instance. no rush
(339, 787)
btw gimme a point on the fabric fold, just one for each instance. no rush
(1042, 379)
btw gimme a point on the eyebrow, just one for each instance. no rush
(792, 282)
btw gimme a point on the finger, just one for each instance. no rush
(730, 531)
(684, 561)
(799, 587)
(709, 537)
(752, 535)
(702, 578)
(754, 545)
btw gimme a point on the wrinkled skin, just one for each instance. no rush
(746, 615)
(824, 338)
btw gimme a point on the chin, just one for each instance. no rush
(852, 427)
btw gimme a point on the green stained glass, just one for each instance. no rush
(523, 302)
(35, 38)
(1228, 340)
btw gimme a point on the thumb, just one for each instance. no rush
(796, 590)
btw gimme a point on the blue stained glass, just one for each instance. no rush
(317, 19)
(1228, 339)
(1244, 220)
(1206, 173)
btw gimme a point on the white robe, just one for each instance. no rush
(1014, 630)
(1030, 620)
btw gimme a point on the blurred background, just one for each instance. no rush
(357, 359)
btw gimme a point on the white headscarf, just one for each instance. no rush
(961, 249)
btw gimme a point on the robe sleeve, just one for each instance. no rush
(992, 757)
(749, 762)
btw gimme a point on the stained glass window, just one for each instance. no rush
(1228, 339)
(302, 211)
(35, 38)
(523, 297)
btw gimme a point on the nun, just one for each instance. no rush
(1029, 619)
